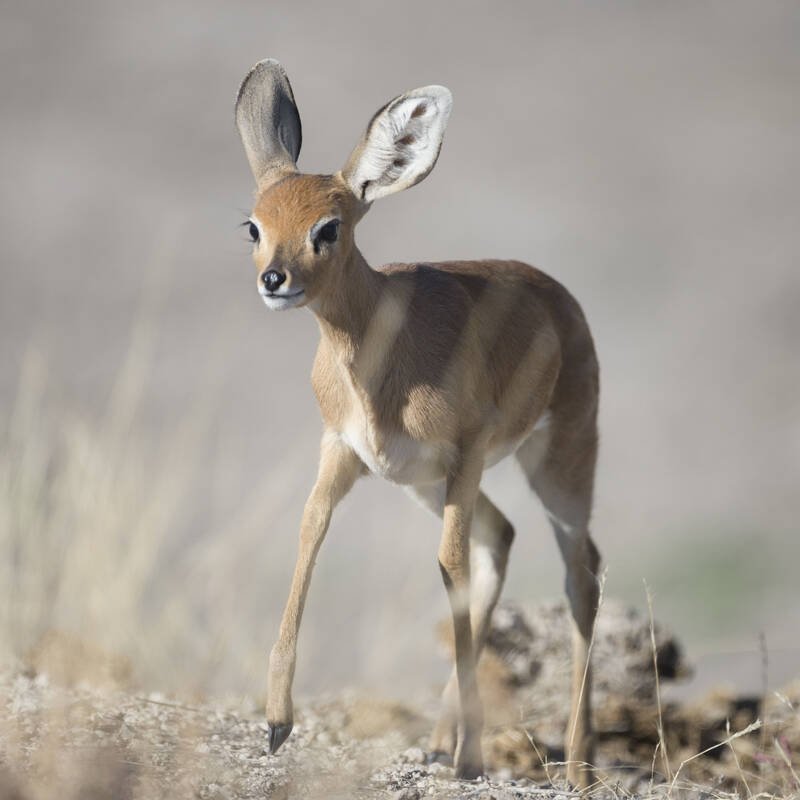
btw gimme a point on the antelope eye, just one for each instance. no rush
(253, 231)
(327, 234)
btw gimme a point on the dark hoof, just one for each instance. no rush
(277, 735)
(439, 757)
(469, 772)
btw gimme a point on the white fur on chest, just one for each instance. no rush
(398, 458)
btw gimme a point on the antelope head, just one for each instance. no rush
(302, 225)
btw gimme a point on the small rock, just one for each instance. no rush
(414, 755)
(406, 794)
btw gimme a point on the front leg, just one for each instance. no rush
(338, 468)
(463, 486)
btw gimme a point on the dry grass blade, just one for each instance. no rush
(544, 762)
(602, 583)
(753, 726)
(786, 760)
(656, 750)
(616, 791)
(736, 759)
(566, 792)
(662, 744)
(182, 706)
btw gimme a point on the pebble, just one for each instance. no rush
(414, 755)
(406, 794)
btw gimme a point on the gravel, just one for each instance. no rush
(86, 742)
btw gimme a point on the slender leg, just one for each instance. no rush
(562, 476)
(582, 561)
(462, 492)
(490, 541)
(338, 469)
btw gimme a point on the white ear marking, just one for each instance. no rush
(401, 143)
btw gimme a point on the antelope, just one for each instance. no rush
(426, 374)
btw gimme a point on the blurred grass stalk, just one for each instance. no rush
(86, 509)
(93, 537)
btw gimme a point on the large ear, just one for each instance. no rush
(401, 143)
(268, 122)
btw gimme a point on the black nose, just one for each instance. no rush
(273, 279)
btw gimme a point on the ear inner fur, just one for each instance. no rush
(401, 144)
(268, 122)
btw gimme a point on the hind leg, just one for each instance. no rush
(561, 473)
(490, 540)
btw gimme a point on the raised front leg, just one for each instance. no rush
(338, 469)
(462, 491)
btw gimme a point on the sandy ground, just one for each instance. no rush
(69, 729)
(98, 744)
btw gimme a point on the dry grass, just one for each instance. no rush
(661, 743)
(87, 509)
(717, 743)
(98, 540)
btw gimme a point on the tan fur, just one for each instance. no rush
(425, 374)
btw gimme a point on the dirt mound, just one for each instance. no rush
(532, 653)
(525, 681)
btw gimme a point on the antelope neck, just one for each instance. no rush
(345, 312)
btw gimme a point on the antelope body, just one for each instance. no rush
(425, 375)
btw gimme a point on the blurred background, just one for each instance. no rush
(159, 432)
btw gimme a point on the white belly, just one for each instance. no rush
(402, 459)
(399, 458)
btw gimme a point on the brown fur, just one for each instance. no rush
(424, 374)
(469, 352)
